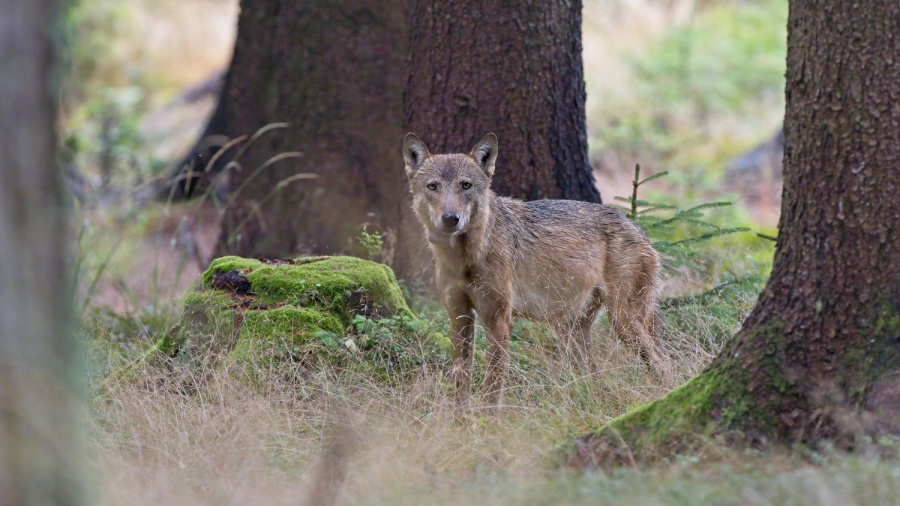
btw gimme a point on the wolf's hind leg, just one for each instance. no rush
(579, 344)
(631, 315)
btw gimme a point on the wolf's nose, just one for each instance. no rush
(450, 219)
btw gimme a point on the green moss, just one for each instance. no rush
(210, 311)
(285, 333)
(719, 400)
(337, 284)
(257, 313)
(688, 406)
(439, 342)
(690, 413)
(864, 365)
(394, 347)
(209, 323)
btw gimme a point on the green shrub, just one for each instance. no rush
(701, 94)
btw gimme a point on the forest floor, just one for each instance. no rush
(403, 445)
(297, 434)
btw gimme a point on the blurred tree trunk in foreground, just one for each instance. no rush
(38, 431)
(333, 71)
(509, 67)
(819, 357)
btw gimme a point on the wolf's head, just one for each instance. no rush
(450, 192)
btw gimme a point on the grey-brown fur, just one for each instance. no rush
(557, 261)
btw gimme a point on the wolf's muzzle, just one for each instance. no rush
(450, 220)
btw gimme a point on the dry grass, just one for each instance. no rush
(273, 439)
(304, 436)
(234, 443)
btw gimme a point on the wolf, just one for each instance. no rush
(555, 261)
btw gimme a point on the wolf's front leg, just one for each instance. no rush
(462, 343)
(497, 323)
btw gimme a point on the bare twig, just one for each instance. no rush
(636, 183)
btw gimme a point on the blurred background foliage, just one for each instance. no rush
(680, 85)
(126, 64)
(684, 86)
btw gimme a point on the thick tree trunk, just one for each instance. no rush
(333, 71)
(37, 431)
(818, 357)
(509, 67)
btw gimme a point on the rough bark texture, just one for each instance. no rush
(334, 71)
(37, 429)
(818, 357)
(509, 67)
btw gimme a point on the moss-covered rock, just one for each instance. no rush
(262, 312)
(285, 333)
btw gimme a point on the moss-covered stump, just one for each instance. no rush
(316, 310)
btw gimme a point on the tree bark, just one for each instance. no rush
(38, 444)
(334, 71)
(817, 359)
(509, 67)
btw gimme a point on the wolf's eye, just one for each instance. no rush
(465, 185)
(431, 186)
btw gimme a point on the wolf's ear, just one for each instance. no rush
(414, 153)
(485, 153)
